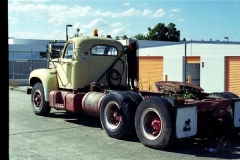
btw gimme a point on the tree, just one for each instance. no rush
(173, 34)
(121, 37)
(124, 37)
(161, 33)
(184, 39)
(117, 37)
(140, 37)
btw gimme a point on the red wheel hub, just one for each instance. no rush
(154, 123)
(115, 117)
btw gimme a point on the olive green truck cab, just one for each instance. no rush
(98, 76)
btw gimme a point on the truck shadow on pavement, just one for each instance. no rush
(196, 146)
(80, 119)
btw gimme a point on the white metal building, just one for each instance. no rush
(213, 65)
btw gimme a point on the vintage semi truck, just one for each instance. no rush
(98, 76)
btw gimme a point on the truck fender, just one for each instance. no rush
(47, 77)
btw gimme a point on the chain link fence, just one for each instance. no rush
(21, 64)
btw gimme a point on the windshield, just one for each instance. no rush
(69, 51)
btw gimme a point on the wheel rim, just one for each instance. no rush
(37, 99)
(151, 124)
(112, 116)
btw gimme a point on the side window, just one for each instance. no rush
(104, 50)
(69, 51)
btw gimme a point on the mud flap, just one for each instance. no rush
(186, 121)
(237, 113)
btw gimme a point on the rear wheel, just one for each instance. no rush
(154, 123)
(117, 114)
(40, 106)
(134, 96)
(232, 95)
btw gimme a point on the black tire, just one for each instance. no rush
(155, 110)
(117, 113)
(171, 100)
(135, 96)
(218, 95)
(224, 95)
(232, 95)
(40, 106)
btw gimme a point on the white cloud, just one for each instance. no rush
(145, 5)
(13, 20)
(118, 31)
(96, 23)
(85, 18)
(175, 10)
(28, 1)
(118, 24)
(77, 25)
(29, 35)
(57, 20)
(147, 12)
(180, 20)
(35, 12)
(126, 4)
(106, 14)
(159, 13)
(79, 11)
(58, 14)
(131, 12)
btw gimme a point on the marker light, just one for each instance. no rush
(95, 32)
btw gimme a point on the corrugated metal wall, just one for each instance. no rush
(233, 74)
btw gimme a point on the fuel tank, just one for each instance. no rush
(91, 103)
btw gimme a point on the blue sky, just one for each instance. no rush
(196, 19)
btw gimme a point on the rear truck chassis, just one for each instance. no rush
(159, 118)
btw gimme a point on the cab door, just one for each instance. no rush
(64, 67)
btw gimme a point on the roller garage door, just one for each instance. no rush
(150, 71)
(233, 74)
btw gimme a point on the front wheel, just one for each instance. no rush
(40, 106)
(154, 123)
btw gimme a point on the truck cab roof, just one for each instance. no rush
(91, 40)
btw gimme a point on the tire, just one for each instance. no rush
(224, 95)
(135, 96)
(40, 106)
(155, 110)
(171, 100)
(218, 95)
(232, 95)
(117, 111)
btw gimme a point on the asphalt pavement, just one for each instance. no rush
(19, 88)
(62, 136)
